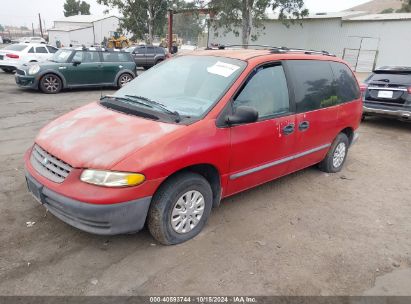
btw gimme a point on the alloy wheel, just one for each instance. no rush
(124, 79)
(51, 83)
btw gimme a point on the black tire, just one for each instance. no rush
(158, 61)
(123, 79)
(327, 164)
(50, 84)
(8, 70)
(166, 198)
(363, 117)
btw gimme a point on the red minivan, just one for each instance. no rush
(168, 146)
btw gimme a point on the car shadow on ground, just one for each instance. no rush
(387, 123)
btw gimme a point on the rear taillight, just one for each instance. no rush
(409, 90)
(14, 56)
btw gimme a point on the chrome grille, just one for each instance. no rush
(48, 165)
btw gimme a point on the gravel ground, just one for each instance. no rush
(309, 233)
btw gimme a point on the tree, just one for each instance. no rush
(141, 16)
(405, 8)
(233, 15)
(387, 11)
(188, 25)
(1, 28)
(73, 7)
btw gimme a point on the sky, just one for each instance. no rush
(24, 12)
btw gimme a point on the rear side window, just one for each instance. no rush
(346, 85)
(52, 49)
(313, 84)
(266, 91)
(116, 57)
(160, 51)
(41, 50)
(140, 50)
(31, 50)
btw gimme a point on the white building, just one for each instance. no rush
(82, 29)
(365, 41)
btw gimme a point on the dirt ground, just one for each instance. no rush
(309, 233)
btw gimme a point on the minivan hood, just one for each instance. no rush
(95, 137)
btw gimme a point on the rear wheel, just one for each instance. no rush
(180, 208)
(124, 79)
(336, 156)
(50, 84)
(158, 61)
(8, 70)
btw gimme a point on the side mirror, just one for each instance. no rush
(242, 114)
(76, 62)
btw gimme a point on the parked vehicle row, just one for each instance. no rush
(71, 68)
(165, 150)
(387, 92)
(147, 56)
(15, 55)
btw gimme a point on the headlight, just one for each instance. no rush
(111, 178)
(34, 69)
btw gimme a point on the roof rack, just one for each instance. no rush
(276, 49)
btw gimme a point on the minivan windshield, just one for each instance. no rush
(187, 85)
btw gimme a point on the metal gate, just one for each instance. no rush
(362, 59)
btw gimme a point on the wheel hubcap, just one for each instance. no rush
(339, 155)
(187, 212)
(51, 84)
(124, 79)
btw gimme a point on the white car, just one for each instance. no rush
(32, 40)
(15, 55)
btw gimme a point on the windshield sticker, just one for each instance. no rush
(222, 69)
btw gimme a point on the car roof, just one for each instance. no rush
(32, 44)
(272, 54)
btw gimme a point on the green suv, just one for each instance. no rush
(74, 68)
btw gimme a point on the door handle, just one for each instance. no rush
(304, 125)
(288, 129)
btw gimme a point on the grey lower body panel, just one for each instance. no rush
(397, 113)
(110, 219)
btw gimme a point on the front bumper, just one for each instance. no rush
(108, 219)
(26, 81)
(397, 113)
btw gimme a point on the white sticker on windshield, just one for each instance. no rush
(223, 69)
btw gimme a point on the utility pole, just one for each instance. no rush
(41, 26)
(32, 28)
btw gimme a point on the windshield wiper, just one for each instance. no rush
(153, 103)
(130, 100)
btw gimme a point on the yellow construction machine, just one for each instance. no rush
(117, 41)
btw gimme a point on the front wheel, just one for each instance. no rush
(180, 208)
(336, 156)
(50, 84)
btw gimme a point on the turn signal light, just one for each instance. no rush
(12, 56)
